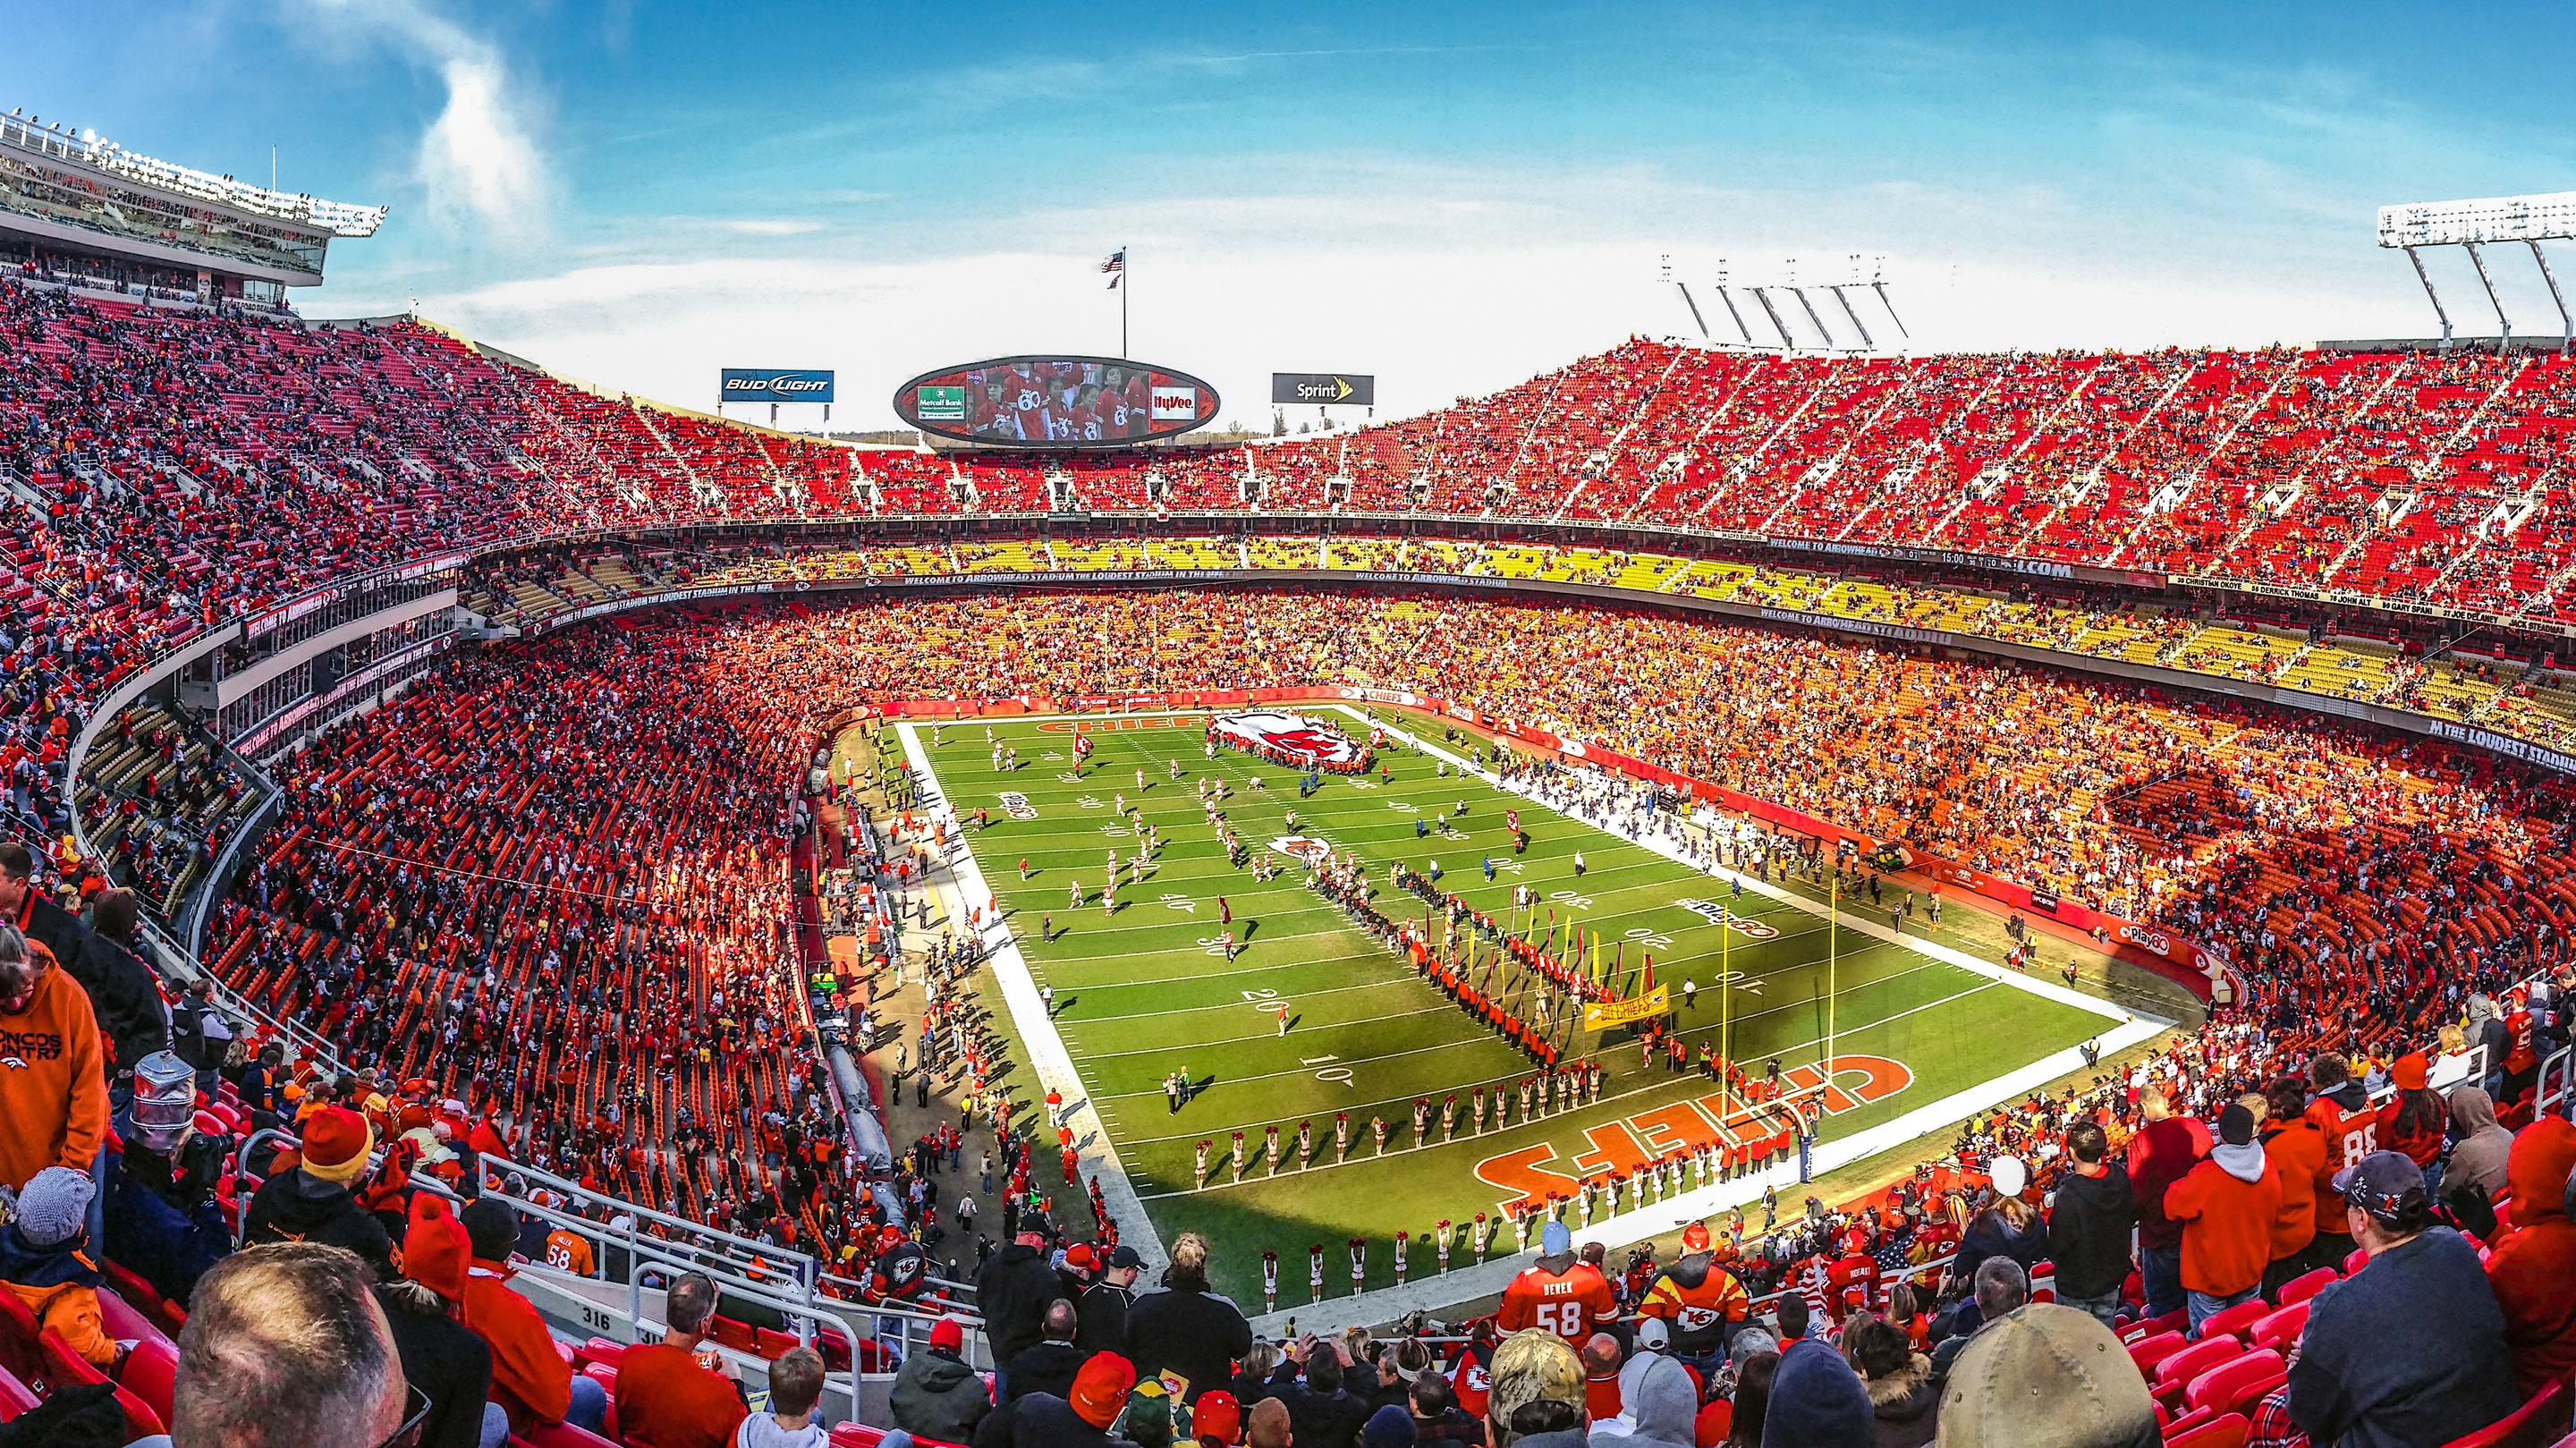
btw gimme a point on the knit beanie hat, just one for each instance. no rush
(336, 1142)
(493, 1227)
(436, 1250)
(1817, 1401)
(53, 1207)
(1101, 1388)
(1388, 1427)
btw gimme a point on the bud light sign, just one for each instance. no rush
(776, 384)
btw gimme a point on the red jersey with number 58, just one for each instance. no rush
(1572, 1304)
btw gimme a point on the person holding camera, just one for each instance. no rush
(164, 1223)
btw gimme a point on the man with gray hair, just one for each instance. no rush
(2000, 1287)
(285, 1345)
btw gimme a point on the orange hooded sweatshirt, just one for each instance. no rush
(2533, 1267)
(53, 1081)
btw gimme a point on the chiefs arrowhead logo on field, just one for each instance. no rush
(1294, 735)
(1301, 847)
(1017, 806)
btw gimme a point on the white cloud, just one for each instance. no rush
(770, 226)
(478, 168)
(1441, 281)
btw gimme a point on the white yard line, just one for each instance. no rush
(1047, 1054)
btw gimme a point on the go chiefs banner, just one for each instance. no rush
(1606, 1015)
(1285, 738)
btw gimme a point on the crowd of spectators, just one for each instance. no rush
(539, 904)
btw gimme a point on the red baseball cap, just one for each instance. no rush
(1217, 1416)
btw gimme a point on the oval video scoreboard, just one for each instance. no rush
(1056, 402)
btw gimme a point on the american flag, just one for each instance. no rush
(1114, 265)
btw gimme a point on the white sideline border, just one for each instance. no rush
(1048, 1057)
(1433, 1289)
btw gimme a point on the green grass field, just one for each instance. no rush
(1148, 992)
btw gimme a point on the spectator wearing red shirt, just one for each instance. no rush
(2226, 1205)
(2412, 1121)
(2164, 1149)
(1601, 1363)
(665, 1397)
(528, 1377)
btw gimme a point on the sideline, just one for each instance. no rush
(1097, 1153)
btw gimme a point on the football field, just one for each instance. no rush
(1149, 992)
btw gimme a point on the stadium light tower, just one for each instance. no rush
(1878, 284)
(1730, 303)
(1763, 295)
(2478, 222)
(1666, 262)
(1809, 307)
(1843, 296)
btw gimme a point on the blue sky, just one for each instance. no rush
(1450, 196)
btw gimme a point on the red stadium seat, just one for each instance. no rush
(2171, 1425)
(151, 1372)
(772, 1345)
(606, 1377)
(2307, 1284)
(167, 1317)
(2138, 1332)
(2149, 1353)
(2231, 1386)
(856, 1435)
(64, 1366)
(2533, 1425)
(2355, 1262)
(19, 1353)
(123, 1320)
(2179, 1370)
(2235, 1320)
(2279, 1329)
(2227, 1431)
(602, 1350)
(15, 1397)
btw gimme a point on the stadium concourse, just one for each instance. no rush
(553, 905)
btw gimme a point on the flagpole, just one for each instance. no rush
(1126, 285)
(1725, 1003)
(1833, 956)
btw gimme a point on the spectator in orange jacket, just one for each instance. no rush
(42, 1262)
(2297, 1149)
(53, 1090)
(528, 1376)
(2226, 1205)
(2533, 1267)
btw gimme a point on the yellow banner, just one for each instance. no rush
(1601, 1016)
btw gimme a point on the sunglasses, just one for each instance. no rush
(415, 1416)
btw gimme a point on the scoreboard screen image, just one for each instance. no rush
(1056, 402)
